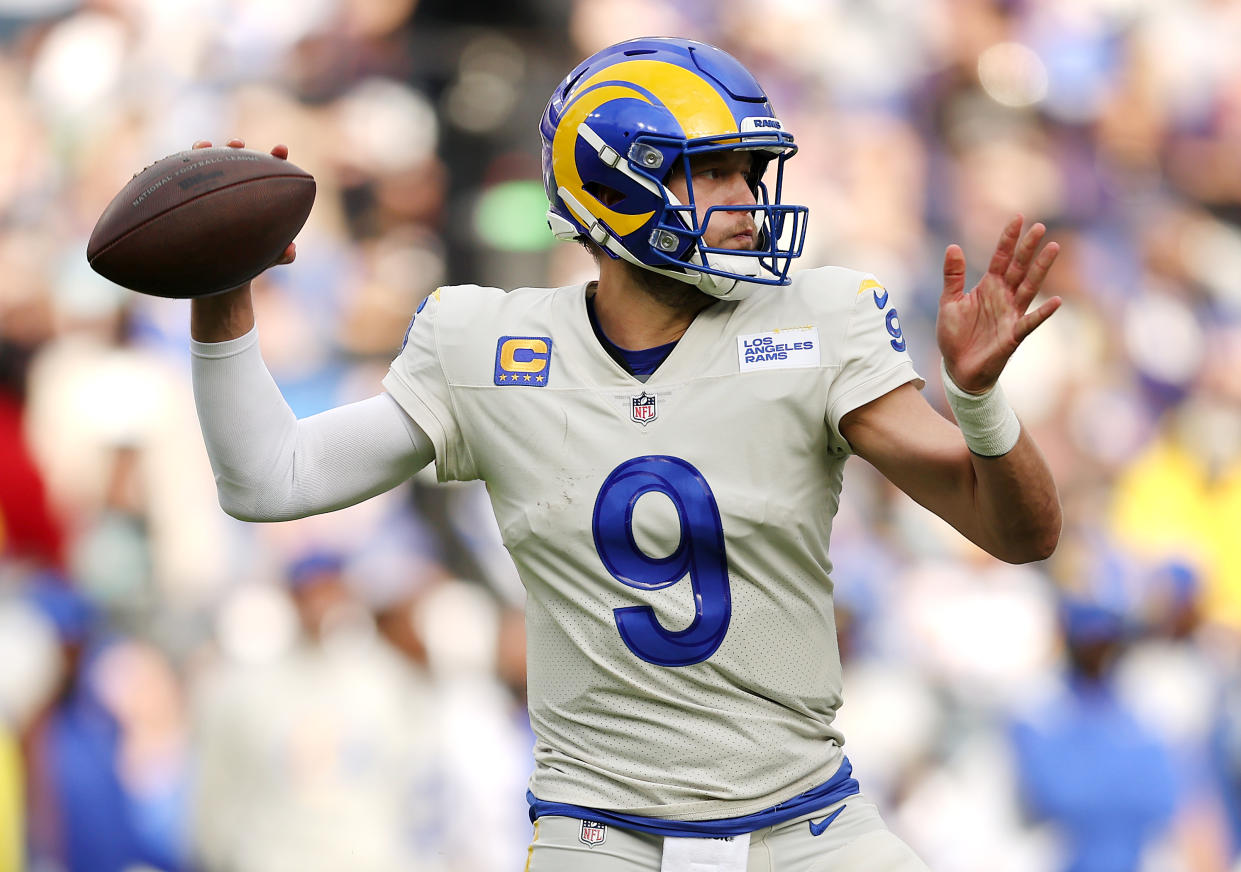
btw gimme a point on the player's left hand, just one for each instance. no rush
(979, 331)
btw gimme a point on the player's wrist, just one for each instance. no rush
(987, 421)
(221, 317)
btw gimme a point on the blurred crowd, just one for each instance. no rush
(182, 692)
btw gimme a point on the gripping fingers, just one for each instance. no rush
(232, 143)
(279, 151)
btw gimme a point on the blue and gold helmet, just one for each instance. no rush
(624, 119)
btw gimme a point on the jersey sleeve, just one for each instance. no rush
(874, 358)
(418, 380)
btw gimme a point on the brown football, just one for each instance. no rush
(202, 221)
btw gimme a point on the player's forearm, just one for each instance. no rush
(1017, 514)
(248, 428)
(221, 317)
(269, 466)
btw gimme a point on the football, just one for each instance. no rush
(201, 221)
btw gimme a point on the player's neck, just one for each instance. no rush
(637, 309)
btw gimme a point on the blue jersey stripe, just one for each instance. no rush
(840, 786)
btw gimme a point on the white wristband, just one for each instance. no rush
(987, 421)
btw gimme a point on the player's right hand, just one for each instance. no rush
(278, 151)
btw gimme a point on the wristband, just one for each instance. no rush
(987, 421)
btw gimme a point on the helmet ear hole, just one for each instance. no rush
(606, 195)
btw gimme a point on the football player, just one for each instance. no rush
(663, 449)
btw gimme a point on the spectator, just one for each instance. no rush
(78, 810)
(1086, 764)
(312, 755)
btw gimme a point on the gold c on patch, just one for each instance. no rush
(523, 360)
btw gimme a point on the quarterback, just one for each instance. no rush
(664, 450)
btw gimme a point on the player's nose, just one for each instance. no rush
(738, 191)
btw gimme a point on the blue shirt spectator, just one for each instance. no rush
(1086, 764)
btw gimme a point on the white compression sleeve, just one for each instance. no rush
(269, 466)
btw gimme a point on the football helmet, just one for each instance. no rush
(619, 124)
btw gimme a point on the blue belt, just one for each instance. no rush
(840, 786)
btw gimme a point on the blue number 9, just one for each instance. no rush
(894, 330)
(699, 554)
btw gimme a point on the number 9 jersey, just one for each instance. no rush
(672, 534)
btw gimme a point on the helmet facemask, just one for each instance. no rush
(680, 238)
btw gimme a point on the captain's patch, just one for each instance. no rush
(523, 360)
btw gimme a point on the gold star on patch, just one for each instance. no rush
(538, 378)
(503, 377)
(527, 378)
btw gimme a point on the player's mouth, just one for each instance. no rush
(743, 241)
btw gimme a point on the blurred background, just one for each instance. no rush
(179, 691)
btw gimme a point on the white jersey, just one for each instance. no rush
(672, 535)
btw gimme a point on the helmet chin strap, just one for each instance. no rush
(736, 289)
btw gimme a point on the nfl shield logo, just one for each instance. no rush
(644, 411)
(593, 833)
